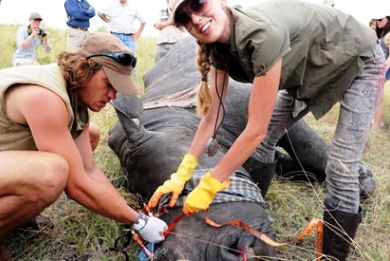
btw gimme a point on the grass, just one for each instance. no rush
(79, 234)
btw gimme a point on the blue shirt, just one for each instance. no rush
(79, 12)
(29, 52)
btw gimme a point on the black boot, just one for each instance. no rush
(262, 175)
(339, 231)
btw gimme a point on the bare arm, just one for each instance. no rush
(162, 25)
(139, 32)
(261, 105)
(387, 41)
(86, 183)
(27, 42)
(104, 17)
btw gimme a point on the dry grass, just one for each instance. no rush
(79, 234)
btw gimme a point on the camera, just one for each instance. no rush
(42, 33)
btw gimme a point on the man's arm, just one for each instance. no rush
(81, 12)
(139, 32)
(104, 17)
(142, 25)
(86, 183)
(162, 25)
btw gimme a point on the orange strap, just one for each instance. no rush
(314, 224)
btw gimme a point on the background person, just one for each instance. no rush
(28, 38)
(283, 45)
(45, 152)
(78, 13)
(122, 18)
(382, 29)
(168, 33)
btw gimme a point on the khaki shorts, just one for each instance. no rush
(75, 38)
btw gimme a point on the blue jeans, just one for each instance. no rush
(127, 40)
(356, 112)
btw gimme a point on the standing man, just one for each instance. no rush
(169, 34)
(122, 20)
(78, 12)
(28, 38)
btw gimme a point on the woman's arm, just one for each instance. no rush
(261, 105)
(387, 41)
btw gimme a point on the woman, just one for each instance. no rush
(316, 56)
(382, 29)
(45, 142)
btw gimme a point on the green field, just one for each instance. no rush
(79, 234)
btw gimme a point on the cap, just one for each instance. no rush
(35, 16)
(381, 13)
(119, 75)
(174, 6)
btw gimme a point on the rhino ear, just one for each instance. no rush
(130, 106)
(129, 109)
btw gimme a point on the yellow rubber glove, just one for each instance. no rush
(202, 196)
(176, 183)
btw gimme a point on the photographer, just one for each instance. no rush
(28, 39)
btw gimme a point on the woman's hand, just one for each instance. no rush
(202, 196)
(177, 181)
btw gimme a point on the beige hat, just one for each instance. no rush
(35, 16)
(115, 57)
(173, 6)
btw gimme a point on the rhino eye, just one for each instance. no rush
(135, 121)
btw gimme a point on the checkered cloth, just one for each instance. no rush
(241, 188)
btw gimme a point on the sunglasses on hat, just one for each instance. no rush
(125, 59)
(183, 16)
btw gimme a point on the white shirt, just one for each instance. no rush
(123, 18)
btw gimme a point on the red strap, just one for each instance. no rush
(173, 224)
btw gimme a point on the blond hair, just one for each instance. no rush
(203, 100)
(77, 69)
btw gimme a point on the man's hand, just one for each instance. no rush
(202, 196)
(159, 26)
(150, 229)
(177, 181)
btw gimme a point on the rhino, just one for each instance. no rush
(153, 134)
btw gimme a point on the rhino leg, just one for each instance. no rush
(305, 147)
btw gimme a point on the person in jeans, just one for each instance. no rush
(300, 58)
(122, 18)
(78, 13)
(28, 39)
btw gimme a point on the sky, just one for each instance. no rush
(53, 13)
